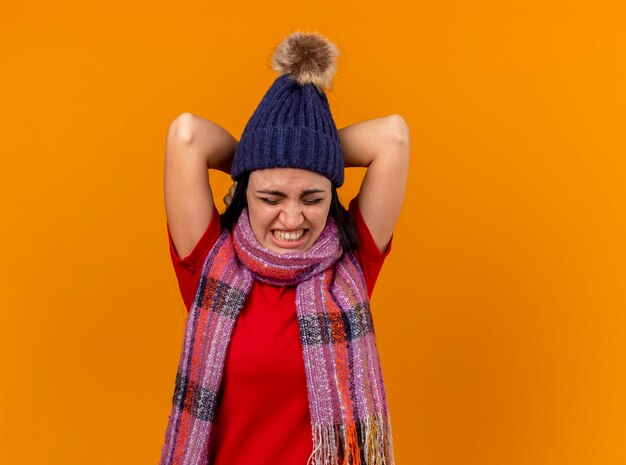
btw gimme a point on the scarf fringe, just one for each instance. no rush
(375, 430)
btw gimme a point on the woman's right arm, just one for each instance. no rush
(194, 145)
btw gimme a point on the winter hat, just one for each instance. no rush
(293, 127)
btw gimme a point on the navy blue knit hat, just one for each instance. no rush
(293, 127)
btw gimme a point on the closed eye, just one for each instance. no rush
(269, 201)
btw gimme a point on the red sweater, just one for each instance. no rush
(262, 417)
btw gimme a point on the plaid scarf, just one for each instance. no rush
(346, 393)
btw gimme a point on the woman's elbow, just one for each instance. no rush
(399, 141)
(182, 128)
(398, 130)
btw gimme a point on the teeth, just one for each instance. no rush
(288, 236)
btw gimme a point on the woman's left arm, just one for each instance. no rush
(382, 145)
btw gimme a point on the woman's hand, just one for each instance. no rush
(229, 196)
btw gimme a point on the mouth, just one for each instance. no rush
(289, 239)
(288, 235)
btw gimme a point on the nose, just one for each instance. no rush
(291, 216)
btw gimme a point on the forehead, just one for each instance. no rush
(288, 180)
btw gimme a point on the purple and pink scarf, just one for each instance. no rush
(346, 392)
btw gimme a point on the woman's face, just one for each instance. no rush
(288, 207)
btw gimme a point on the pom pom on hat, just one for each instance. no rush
(309, 58)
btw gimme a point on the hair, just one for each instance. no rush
(345, 224)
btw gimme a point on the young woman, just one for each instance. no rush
(279, 363)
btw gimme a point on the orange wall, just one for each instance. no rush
(499, 314)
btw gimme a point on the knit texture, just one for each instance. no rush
(291, 128)
(347, 401)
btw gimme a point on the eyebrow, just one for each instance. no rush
(282, 194)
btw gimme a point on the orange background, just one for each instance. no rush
(500, 312)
